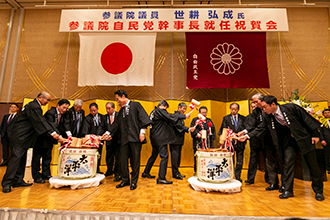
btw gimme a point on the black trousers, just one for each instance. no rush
(16, 167)
(5, 141)
(130, 150)
(239, 163)
(151, 160)
(163, 153)
(253, 163)
(113, 159)
(175, 158)
(99, 160)
(272, 164)
(195, 149)
(290, 154)
(46, 154)
(327, 156)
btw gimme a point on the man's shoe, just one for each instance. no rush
(286, 195)
(23, 184)
(47, 177)
(133, 186)
(163, 181)
(122, 184)
(40, 180)
(3, 164)
(281, 189)
(100, 172)
(249, 182)
(117, 178)
(177, 176)
(147, 175)
(319, 197)
(183, 176)
(240, 180)
(108, 174)
(272, 187)
(6, 189)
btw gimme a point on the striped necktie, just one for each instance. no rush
(280, 120)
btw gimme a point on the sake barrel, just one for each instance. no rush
(215, 167)
(77, 163)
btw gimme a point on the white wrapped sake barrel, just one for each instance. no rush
(77, 163)
(215, 167)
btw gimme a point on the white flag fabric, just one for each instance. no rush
(116, 59)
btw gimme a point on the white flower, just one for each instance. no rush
(297, 102)
(226, 58)
(309, 110)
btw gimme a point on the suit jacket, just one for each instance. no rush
(91, 127)
(325, 135)
(179, 129)
(255, 119)
(130, 121)
(29, 124)
(71, 121)
(51, 116)
(254, 141)
(301, 124)
(211, 136)
(5, 126)
(228, 121)
(108, 126)
(161, 129)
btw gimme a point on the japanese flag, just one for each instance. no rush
(116, 59)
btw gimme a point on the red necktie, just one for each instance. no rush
(111, 119)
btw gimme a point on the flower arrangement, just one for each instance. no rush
(301, 101)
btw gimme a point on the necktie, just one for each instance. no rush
(111, 119)
(125, 111)
(235, 121)
(58, 118)
(96, 120)
(78, 122)
(280, 119)
(10, 118)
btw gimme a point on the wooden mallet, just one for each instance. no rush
(194, 104)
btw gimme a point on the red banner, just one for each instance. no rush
(226, 60)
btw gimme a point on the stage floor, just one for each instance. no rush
(178, 198)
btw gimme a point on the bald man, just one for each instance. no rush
(29, 124)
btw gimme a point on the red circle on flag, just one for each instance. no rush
(116, 58)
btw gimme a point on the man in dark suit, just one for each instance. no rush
(179, 129)
(161, 134)
(112, 146)
(293, 129)
(254, 151)
(235, 122)
(75, 118)
(207, 126)
(264, 141)
(94, 124)
(7, 124)
(325, 137)
(44, 143)
(29, 124)
(131, 123)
